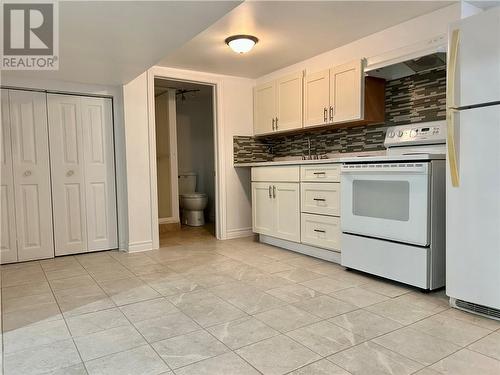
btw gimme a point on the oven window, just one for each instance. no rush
(381, 199)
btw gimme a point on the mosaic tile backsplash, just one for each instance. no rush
(417, 98)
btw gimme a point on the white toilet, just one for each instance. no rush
(191, 202)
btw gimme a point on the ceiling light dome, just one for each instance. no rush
(241, 43)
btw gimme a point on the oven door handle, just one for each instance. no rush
(384, 172)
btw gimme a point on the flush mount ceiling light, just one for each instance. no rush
(241, 43)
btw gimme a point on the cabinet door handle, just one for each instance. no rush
(273, 123)
(325, 111)
(274, 191)
(331, 113)
(319, 199)
(276, 123)
(320, 231)
(270, 192)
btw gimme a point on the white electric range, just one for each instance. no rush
(393, 207)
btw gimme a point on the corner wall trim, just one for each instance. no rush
(238, 233)
(135, 247)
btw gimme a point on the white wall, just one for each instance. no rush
(16, 79)
(399, 36)
(195, 142)
(137, 148)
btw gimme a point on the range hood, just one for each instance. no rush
(409, 67)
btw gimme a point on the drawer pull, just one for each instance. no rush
(319, 199)
(319, 230)
(318, 173)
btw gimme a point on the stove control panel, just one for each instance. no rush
(424, 133)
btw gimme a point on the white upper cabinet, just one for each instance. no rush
(264, 108)
(289, 102)
(278, 105)
(347, 92)
(334, 95)
(30, 160)
(316, 98)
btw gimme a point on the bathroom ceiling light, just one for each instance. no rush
(241, 43)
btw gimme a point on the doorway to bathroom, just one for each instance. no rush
(185, 161)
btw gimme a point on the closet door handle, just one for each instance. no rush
(270, 192)
(273, 123)
(325, 111)
(27, 173)
(274, 191)
(70, 173)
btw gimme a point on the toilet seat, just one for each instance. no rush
(193, 195)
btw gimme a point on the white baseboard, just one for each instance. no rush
(238, 233)
(329, 255)
(136, 247)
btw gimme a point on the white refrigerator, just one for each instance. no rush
(473, 181)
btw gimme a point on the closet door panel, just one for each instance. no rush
(30, 154)
(66, 159)
(99, 173)
(8, 245)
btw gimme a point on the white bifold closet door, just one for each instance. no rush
(31, 175)
(83, 175)
(8, 245)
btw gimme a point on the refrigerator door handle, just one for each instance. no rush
(452, 68)
(450, 111)
(452, 151)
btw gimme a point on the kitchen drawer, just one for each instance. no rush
(283, 173)
(321, 199)
(321, 231)
(320, 172)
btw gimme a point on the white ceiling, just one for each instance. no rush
(112, 42)
(290, 32)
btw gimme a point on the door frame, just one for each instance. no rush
(172, 130)
(218, 123)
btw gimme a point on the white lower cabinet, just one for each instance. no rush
(320, 198)
(321, 231)
(262, 208)
(276, 209)
(298, 206)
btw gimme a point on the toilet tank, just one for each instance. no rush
(187, 182)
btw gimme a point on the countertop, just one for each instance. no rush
(370, 156)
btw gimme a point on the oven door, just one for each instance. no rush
(387, 200)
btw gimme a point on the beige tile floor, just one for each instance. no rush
(200, 306)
